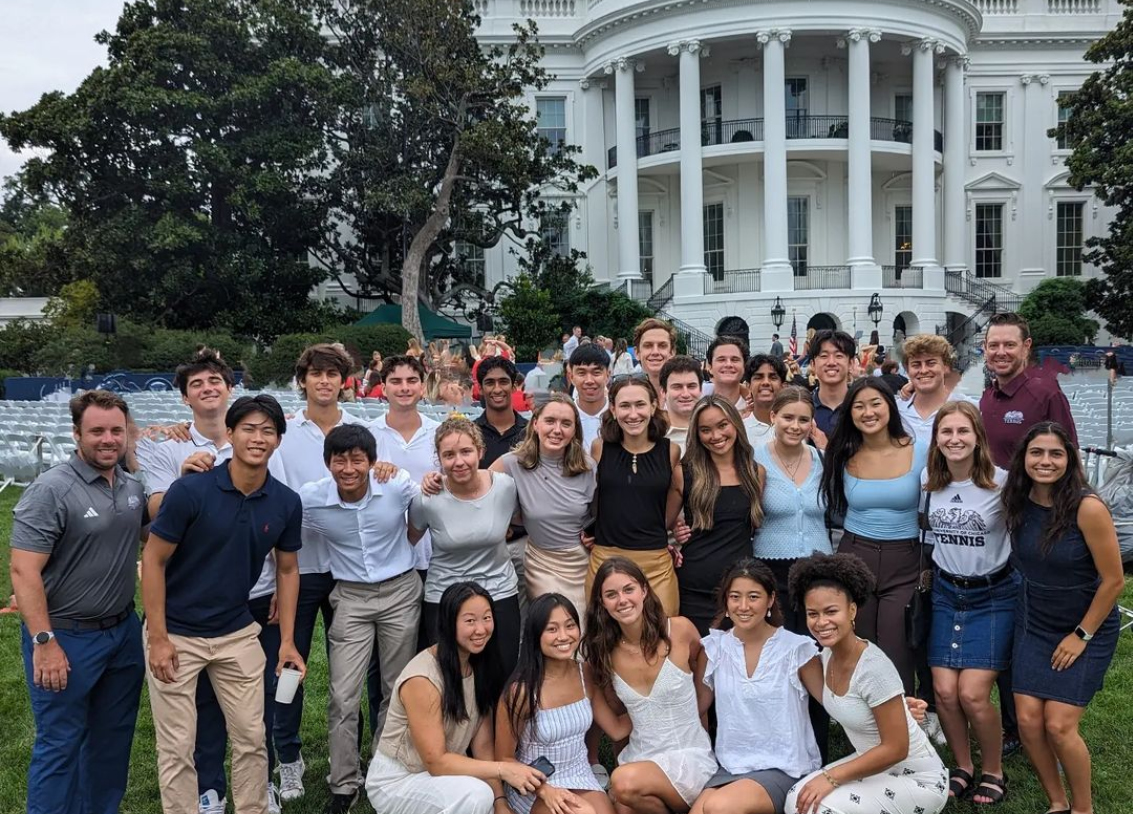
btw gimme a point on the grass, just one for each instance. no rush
(1107, 726)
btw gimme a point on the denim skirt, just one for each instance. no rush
(972, 628)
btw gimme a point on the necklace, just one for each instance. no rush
(790, 470)
(633, 464)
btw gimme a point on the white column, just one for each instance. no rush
(629, 251)
(955, 142)
(776, 274)
(924, 169)
(692, 182)
(863, 268)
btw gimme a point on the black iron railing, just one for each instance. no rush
(661, 297)
(733, 281)
(907, 277)
(818, 277)
(976, 291)
(736, 131)
(696, 341)
(817, 127)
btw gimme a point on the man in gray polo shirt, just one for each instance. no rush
(75, 538)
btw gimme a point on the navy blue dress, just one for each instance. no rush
(1056, 592)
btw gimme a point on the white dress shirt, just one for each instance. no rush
(416, 456)
(591, 425)
(921, 428)
(365, 541)
(299, 461)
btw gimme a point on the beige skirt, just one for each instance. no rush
(557, 571)
(658, 568)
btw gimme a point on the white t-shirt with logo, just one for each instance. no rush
(967, 527)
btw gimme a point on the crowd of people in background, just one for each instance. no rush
(703, 561)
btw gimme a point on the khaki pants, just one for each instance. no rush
(389, 611)
(235, 666)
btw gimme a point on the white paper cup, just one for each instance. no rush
(287, 685)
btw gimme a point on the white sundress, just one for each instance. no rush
(667, 730)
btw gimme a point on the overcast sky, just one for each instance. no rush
(47, 45)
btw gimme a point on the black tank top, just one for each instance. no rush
(631, 506)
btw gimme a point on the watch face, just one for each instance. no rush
(42, 638)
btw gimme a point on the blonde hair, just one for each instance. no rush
(574, 459)
(458, 424)
(983, 470)
(928, 345)
(654, 324)
(701, 496)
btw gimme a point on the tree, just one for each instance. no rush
(74, 306)
(186, 166)
(532, 321)
(1055, 311)
(1098, 127)
(32, 260)
(434, 145)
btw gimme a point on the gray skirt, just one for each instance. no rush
(773, 781)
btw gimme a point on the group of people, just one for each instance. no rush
(706, 577)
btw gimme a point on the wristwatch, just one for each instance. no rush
(1081, 633)
(43, 637)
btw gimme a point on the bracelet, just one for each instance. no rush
(501, 797)
(830, 779)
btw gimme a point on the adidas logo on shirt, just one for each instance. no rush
(90, 513)
(956, 499)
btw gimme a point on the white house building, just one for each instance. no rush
(815, 154)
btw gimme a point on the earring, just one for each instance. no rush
(769, 613)
(727, 615)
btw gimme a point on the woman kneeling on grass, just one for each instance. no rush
(893, 767)
(546, 711)
(442, 704)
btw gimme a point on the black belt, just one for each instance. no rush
(977, 582)
(105, 623)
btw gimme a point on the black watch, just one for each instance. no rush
(1081, 633)
(43, 637)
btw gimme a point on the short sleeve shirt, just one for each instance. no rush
(222, 537)
(968, 527)
(91, 532)
(1010, 412)
(160, 461)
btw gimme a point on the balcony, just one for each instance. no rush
(737, 131)
(732, 281)
(907, 277)
(815, 278)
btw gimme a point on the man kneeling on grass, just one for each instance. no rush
(204, 554)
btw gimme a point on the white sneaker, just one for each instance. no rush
(273, 800)
(291, 779)
(931, 727)
(211, 803)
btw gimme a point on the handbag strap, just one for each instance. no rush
(924, 526)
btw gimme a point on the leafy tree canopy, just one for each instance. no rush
(1098, 127)
(1056, 312)
(32, 260)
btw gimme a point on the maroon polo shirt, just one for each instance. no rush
(1010, 412)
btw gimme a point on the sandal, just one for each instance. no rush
(992, 787)
(957, 791)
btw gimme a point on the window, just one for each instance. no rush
(989, 121)
(641, 119)
(797, 107)
(470, 258)
(1069, 239)
(989, 240)
(711, 115)
(555, 232)
(645, 243)
(903, 107)
(714, 240)
(550, 117)
(1063, 116)
(798, 233)
(903, 238)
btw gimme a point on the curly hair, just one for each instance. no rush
(458, 424)
(847, 573)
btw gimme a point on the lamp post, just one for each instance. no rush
(876, 310)
(777, 313)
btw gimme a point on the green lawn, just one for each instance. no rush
(1108, 730)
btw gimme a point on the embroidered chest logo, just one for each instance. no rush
(1013, 417)
(134, 502)
(957, 499)
(90, 513)
(267, 528)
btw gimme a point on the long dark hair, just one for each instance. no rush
(1067, 492)
(846, 441)
(488, 677)
(611, 431)
(525, 684)
(603, 633)
(756, 571)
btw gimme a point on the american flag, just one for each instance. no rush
(794, 344)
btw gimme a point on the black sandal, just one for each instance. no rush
(957, 791)
(992, 787)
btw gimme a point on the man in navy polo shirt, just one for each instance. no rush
(204, 554)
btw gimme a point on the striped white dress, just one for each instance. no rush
(558, 734)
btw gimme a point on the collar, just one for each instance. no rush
(224, 481)
(343, 418)
(483, 422)
(585, 415)
(88, 473)
(200, 440)
(1015, 385)
(331, 497)
(428, 425)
